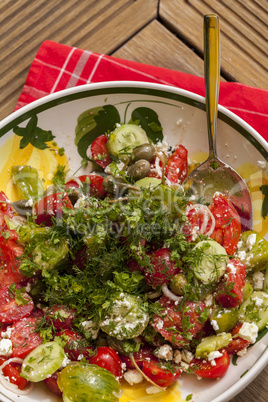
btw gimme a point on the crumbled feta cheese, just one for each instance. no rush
(214, 355)
(248, 331)
(5, 347)
(184, 366)
(164, 352)
(90, 329)
(251, 240)
(214, 324)
(208, 301)
(65, 362)
(186, 356)
(242, 352)
(6, 334)
(177, 356)
(258, 278)
(133, 377)
(152, 389)
(232, 267)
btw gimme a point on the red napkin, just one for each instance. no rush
(58, 66)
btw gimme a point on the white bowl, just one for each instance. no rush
(182, 116)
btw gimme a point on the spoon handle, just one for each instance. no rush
(212, 76)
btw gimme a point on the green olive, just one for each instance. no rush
(114, 185)
(144, 151)
(139, 169)
(177, 284)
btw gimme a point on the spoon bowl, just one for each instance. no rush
(214, 175)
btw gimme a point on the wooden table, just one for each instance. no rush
(165, 33)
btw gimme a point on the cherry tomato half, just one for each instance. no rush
(107, 358)
(177, 165)
(162, 376)
(227, 223)
(24, 337)
(230, 290)
(92, 185)
(145, 353)
(178, 321)
(206, 369)
(12, 371)
(237, 343)
(49, 206)
(10, 250)
(100, 152)
(75, 345)
(162, 268)
(52, 385)
(60, 316)
(10, 309)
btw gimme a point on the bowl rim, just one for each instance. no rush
(62, 96)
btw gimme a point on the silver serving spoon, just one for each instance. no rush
(213, 174)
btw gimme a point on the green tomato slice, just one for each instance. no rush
(124, 139)
(126, 318)
(211, 261)
(255, 309)
(82, 382)
(42, 361)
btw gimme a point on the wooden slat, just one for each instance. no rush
(149, 46)
(243, 46)
(100, 26)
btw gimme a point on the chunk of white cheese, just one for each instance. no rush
(164, 352)
(248, 331)
(5, 347)
(133, 377)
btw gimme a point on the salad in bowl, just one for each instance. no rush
(115, 277)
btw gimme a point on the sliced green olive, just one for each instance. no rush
(139, 169)
(177, 284)
(144, 151)
(212, 343)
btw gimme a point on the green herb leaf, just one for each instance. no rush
(91, 124)
(31, 134)
(148, 120)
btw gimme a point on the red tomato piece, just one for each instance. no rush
(177, 165)
(51, 206)
(237, 343)
(100, 152)
(107, 358)
(75, 345)
(5, 209)
(10, 250)
(60, 316)
(52, 385)
(180, 323)
(144, 354)
(161, 376)
(195, 221)
(227, 223)
(230, 290)
(12, 371)
(10, 309)
(94, 185)
(162, 268)
(24, 337)
(205, 369)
